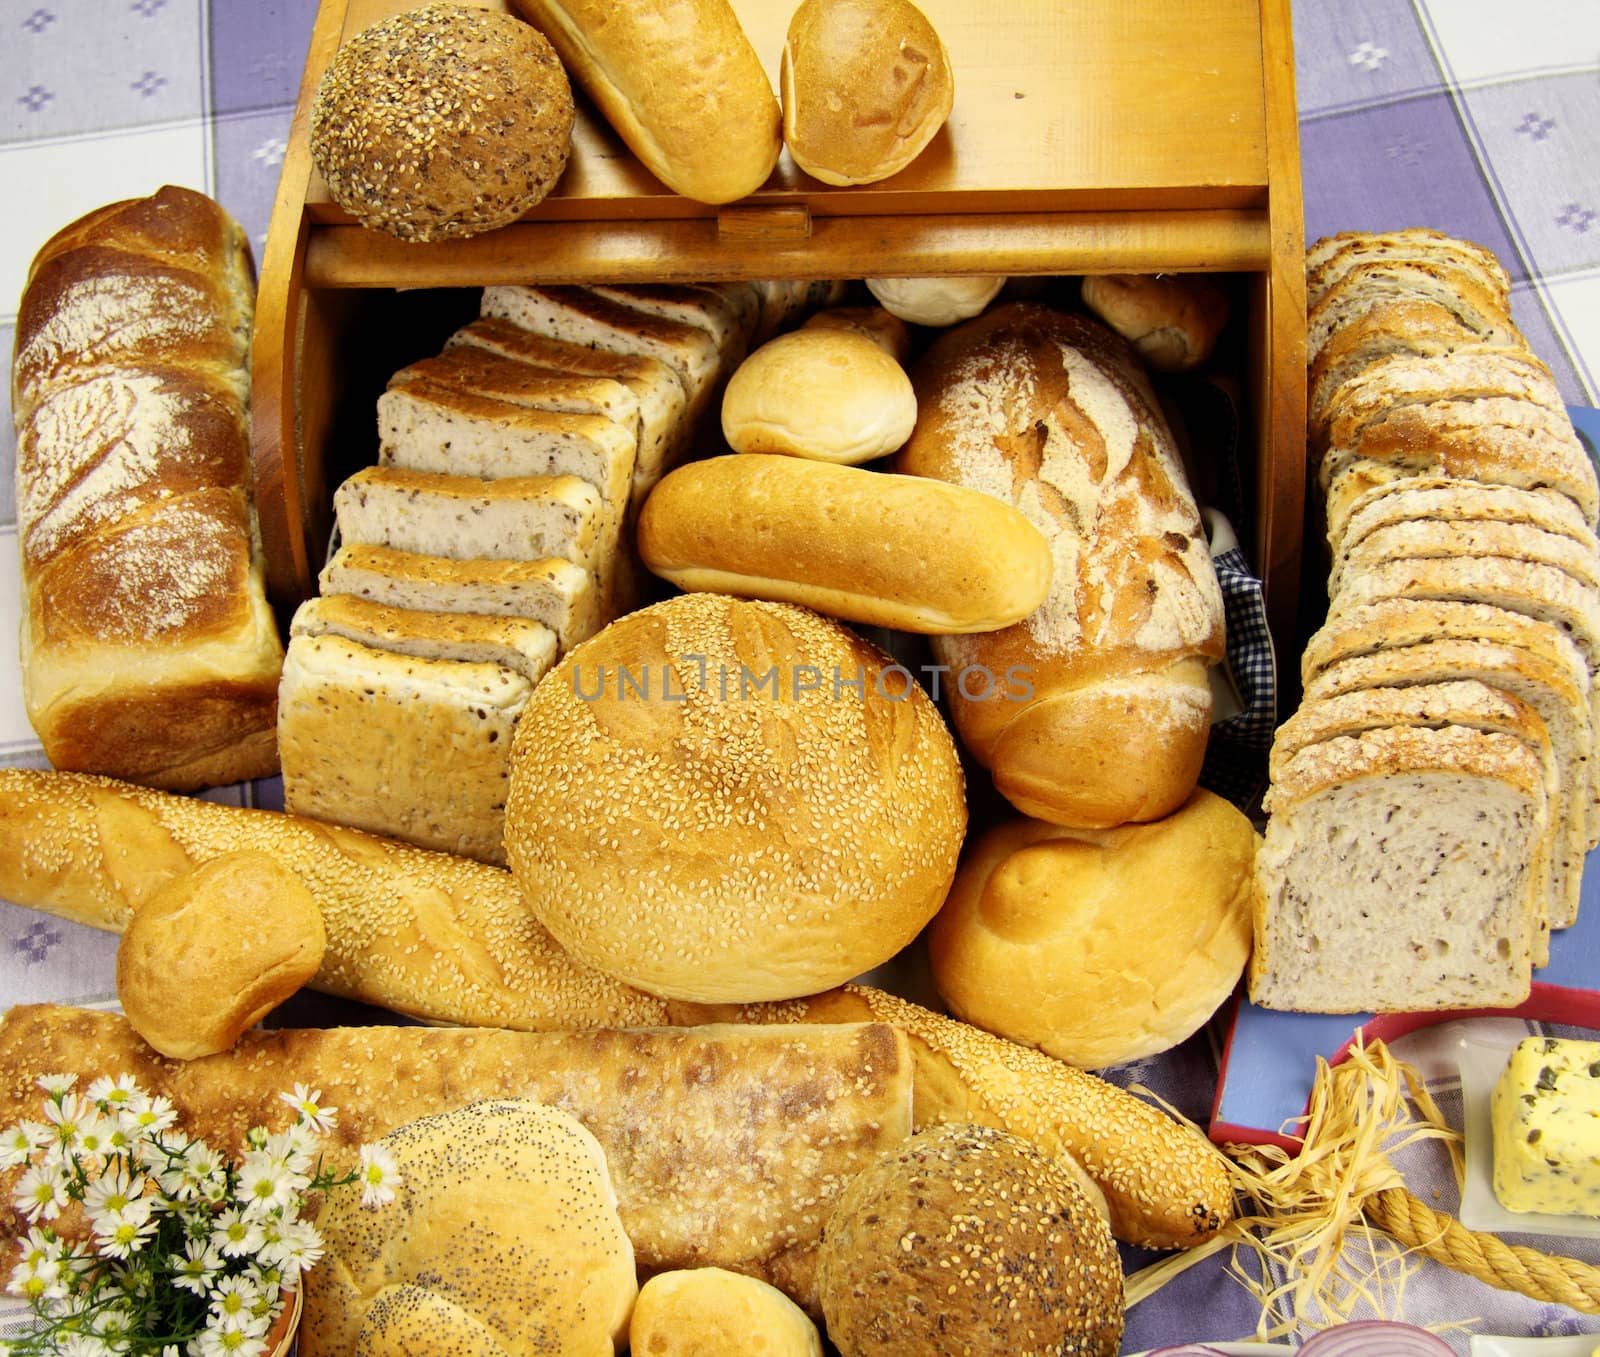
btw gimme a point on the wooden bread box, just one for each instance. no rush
(1101, 136)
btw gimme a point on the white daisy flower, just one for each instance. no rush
(378, 1175)
(294, 1149)
(66, 1115)
(41, 1192)
(197, 1269)
(307, 1103)
(146, 1116)
(57, 1085)
(234, 1298)
(299, 1247)
(113, 1191)
(19, 1143)
(235, 1235)
(229, 1342)
(113, 1092)
(265, 1184)
(121, 1234)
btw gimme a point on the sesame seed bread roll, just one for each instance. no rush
(680, 83)
(865, 546)
(725, 801)
(448, 940)
(727, 1144)
(1052, 414)
(148, 648)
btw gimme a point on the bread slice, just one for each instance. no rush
(1396, 874)
(1437, 538)
(1437, 706)
(1461, 501)
(1331, 257)
(1525, 676)
(515, 518)
(721, 311)
(413, 748)
(663, 429)
(517, 643)
(557, 593)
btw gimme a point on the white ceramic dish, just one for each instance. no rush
(1482, 1053)
(1580, 1345)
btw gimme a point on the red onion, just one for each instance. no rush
(1375, 1338)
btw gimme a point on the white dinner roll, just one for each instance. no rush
(505, 1212)
(1099, 946)
(936, 301)
(880, 325)
(729, 800)
(711, 1312)
(865, 86)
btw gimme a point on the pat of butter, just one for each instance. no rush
(1547, 1128)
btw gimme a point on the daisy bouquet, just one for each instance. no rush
(174, 1249)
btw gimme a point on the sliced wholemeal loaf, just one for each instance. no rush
(1524, 675)
(557, 593)
(728, 313)
(512, 518)
(412, 748)
(663, 429)
(1396, 874)
(1455, 702)
(517, 643)
(1433, 538)
(1462, 501)
(1332, 257)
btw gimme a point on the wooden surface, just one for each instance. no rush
(1091, 136)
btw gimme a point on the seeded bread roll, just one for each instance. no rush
(148, 649)
(866, 85)
(724, 845)
(441, 122)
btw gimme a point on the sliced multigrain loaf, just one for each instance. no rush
(663, 429)
(520, 644)
(1456, 702)
(1524, 675)
(1396, 874)
(512, 518)
(412, 748)
(729, 313)
(1331, 258)
(1437, 538)
(582, 316)
(557, 593)
(1461, 501)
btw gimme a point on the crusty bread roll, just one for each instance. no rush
(830, 395)
(676, 826)
(1052, 413)
(451, 941)
(878, 323)
(967, 1239)
(505, 1209)
(866, 546)
(215, 950)
(680, 83)
(936, 301)
(1172, 319)
(148, 649)
(1099, 946)
(865, 84)
(711, 1312)
(727, 1144)
(443, 121)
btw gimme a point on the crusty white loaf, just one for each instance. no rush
(1097, 707)
(865, 546)
(148, 648)
(679, 82)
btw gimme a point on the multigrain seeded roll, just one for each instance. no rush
(442, 121)
(970, 1241)
(725, 800)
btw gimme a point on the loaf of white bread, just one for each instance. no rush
(1095, 709)
(148, 648)
(1433, 800)
(449, 940)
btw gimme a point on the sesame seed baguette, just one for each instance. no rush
(449, 940)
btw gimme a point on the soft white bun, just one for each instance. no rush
(832, 395)
(866, 85)
(729, 844)
(215, 950)
(1172, 319)
(936, 301)
(506, 1208)
(711, 1312)
(1099, 946)
(880, 325)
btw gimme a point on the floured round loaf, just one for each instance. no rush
(1105, 711)
(727, 800)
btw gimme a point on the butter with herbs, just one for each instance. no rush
(1546, 1111)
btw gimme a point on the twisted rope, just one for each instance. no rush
(1541, 1276)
